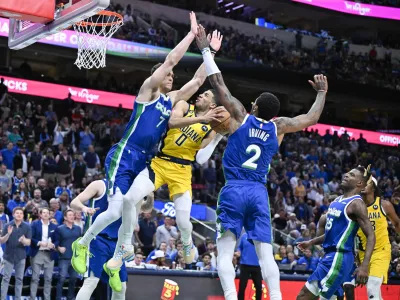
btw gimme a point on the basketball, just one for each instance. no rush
(223, 126)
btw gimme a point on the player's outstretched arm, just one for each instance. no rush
(391, 214)
(358, 210)
(190, 88)
(178, 120)
(149, 89)
(207, 147)
(224, 97)
(93, 190)
(287, 125)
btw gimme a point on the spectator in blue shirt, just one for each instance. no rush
(205, 264)
(16, 202)
(249, 266)
(55, 207)
(63, 188)
(4, 218)
(289, 260)
(308, 260)
(8, 155)
(87, 138)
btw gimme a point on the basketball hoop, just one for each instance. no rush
(93, 36)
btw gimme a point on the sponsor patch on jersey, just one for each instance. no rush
(375, 206)
(204, 128)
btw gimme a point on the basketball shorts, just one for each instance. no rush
(122, 165)
(103, 250)
(243, 203)
(351, 279)
(380, 262)
(330, 273)
(178, 177)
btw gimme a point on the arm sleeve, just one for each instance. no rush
(204, 154)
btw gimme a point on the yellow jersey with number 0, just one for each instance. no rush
(183, 143)
(379, 223)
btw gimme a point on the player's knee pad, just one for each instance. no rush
(266, 259)
(374, 287)
(119, 295)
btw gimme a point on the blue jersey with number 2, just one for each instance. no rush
(250, 150)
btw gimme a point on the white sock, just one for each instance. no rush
(226, 272)
(269, 269)
(88, 287)
(374, 288)
(140, 188)
(120, 295)
(183, 206)
(112, 214)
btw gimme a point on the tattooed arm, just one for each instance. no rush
(286, 125)
(223, 95)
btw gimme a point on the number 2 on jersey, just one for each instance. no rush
(251, 162)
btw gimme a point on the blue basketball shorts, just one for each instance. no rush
(103, 250)
(331, 272)
(122, 165)
(243, 203)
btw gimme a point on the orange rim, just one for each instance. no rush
(103, 13)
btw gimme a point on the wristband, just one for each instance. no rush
(322, 91)
(213, 51)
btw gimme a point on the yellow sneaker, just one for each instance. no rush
(114, 281)
(79, 257)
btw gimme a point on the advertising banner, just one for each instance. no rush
(354, 8)
(60, 92)
(69, 39)
(192, 287)
(372, 137)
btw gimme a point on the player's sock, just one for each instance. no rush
(88, 287)
(112, 214)
(183, 205)
(119, 295)
(269, 269)
(226, 247)
(374, 288)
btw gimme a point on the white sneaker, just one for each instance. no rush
(125, 253)
(188, 253)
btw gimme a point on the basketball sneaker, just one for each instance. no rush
(188, 253)
(79, 257)
(125, 253)
(113, 278)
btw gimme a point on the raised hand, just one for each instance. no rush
(320, 83)
(9, 229)
(214, 114)
(215, 39)
(193, 23)
(201, 38)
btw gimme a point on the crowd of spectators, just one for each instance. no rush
(336, 61)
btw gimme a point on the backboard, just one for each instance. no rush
(23, 33)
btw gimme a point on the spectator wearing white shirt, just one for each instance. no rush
(333, 185)
(294, 180)
(137, 263)
(165, 232)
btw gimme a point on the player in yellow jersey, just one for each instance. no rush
(379, 211)
(189, 138)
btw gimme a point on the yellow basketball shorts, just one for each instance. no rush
(380, 261)
(177, 177)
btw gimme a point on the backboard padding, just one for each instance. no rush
(63, 19)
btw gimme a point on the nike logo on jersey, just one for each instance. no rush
(165, 112)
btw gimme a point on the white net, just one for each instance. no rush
(93, 36)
